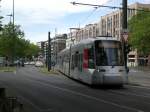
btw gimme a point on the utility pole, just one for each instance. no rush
(124, 25)
(13, 15)
(124, 30)
(49, 52)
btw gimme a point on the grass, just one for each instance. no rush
(7, 69)
(45, 71)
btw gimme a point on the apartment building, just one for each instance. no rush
(78, 34)
(109, 25)
(58, 43)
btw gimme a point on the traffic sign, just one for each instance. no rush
(125, 35)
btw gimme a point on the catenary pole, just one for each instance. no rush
(124, 27)
(49, 52)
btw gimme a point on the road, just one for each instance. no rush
(140, 77)
(57, 93)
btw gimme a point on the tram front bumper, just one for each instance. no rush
(113, 80)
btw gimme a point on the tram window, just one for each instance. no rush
(76, 59)
(72, 64)
(91, 57)
(108, 53)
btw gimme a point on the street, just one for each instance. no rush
(57, 93)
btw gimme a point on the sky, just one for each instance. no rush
(37, 17)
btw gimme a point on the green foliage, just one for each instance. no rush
(1, 23)
(14, 45)
(32, 50)
(139, 27)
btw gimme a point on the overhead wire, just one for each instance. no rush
(94, 10)
(111, 7)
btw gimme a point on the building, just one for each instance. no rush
(109, 25)
(58, 43)
(42, 45)
(43, 50)
(78, 34)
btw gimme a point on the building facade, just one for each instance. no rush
(58, 43)
(78, 34)
(109, 25)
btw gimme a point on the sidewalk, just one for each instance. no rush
(139, 76)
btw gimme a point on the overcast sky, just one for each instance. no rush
(37, 17)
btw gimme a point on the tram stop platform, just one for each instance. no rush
(139, 76)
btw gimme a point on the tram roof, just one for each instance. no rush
(89, 40)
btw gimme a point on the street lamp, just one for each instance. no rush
(13, 14)
(10, 15)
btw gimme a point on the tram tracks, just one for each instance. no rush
(97, 98)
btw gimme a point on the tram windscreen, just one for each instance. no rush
(108, 53)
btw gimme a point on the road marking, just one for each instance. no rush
(28, 101)
(92, 97)
(139, 87)
(34, 106)
(127, 93)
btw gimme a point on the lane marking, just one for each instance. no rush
(92, 97)
(143, 87)
(46, 81)
(87, 96)
(128, 93)
(28, 101)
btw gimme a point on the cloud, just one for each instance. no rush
(147, 1)
(45, 9)
(31, 13)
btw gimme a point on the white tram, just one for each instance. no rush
(94, 61)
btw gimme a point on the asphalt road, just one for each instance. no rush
(57, 93)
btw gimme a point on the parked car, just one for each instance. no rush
(39, 64)
(32, 63)
(26, 63)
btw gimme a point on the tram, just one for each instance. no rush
(94, 61)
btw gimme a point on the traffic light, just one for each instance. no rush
(127, 48)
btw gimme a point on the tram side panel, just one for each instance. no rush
(79, 65)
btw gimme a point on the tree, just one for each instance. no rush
(10, 41)
(1, 17)
(139, 27)
(32, 50)
(13, 44)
